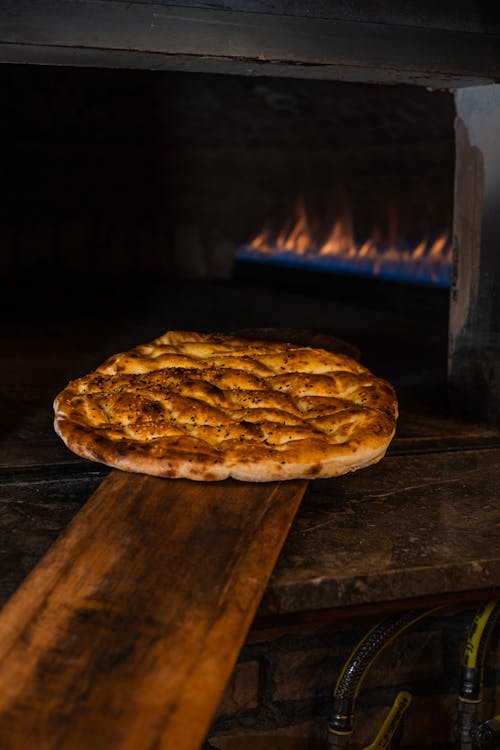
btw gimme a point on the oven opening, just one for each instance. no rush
(135, 200)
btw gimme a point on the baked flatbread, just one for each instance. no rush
(209, 406)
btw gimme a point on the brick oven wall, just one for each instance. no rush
(280, 692)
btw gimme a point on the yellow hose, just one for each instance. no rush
(476, 634)
(392, 721)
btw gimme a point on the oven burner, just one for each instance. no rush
(300, 245)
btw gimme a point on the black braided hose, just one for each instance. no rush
(346, 691)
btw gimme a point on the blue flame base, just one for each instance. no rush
(423, 274)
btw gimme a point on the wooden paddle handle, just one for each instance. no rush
(125, 634)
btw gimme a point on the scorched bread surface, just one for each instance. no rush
(208, 407)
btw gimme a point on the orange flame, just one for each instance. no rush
(297, 238)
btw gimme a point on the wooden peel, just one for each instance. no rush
(126, 633)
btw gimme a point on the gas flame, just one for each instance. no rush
(428, 261)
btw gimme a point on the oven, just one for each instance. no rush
(147, 148)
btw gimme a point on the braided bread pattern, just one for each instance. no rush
(207, 407)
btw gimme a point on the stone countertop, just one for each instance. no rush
(411, 526)
(423, 522)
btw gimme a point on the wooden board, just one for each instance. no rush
(126, 632)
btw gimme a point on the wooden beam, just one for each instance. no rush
(125, 634)
(474, 346)
(168, 37)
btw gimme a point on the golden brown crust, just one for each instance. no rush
(209, 406)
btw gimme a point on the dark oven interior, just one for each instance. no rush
(130, 193)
